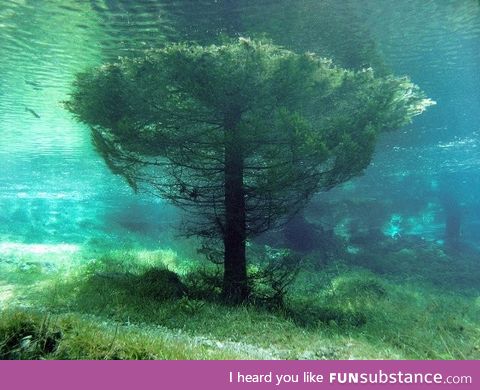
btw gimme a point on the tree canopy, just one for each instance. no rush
(241, 134)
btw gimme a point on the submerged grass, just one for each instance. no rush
(33, 335)
(138, 304)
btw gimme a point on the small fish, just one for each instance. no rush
(34, 84)
(32, 112)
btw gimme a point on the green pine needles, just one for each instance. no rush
(240, 134)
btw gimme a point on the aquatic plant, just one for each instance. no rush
(345, 311)
(271, 280)
(26, 334)
(241, 134)
(25, 337)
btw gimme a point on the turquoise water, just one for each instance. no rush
(54, 187)
(382, 266)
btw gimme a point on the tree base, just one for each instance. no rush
(235, 293)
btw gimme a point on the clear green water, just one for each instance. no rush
(60, 205)
(52, 179)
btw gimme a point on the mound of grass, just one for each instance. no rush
(159, 284)
(137, 261)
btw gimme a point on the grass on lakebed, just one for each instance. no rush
(137, 304)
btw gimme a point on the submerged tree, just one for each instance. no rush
(241, 134)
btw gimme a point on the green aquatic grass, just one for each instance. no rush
(420, 319)
(341, 312)
(33, 335)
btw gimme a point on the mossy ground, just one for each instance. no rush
(141, 304)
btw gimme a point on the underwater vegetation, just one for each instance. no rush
(276, 212)
(154, 304)
(240, 134)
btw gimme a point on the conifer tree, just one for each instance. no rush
(240, 134)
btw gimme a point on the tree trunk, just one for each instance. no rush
(235, 283)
